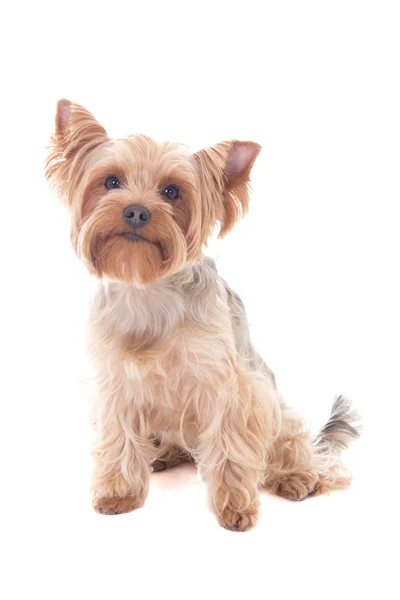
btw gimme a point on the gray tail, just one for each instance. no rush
(342, 428)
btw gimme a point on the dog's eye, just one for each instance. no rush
(170, 192)
(112, 182)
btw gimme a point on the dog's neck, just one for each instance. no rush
(156, 310)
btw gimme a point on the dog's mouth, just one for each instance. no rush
(134, 237)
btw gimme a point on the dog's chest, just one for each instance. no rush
(173, 334)
(190, 351)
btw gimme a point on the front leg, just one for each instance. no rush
(120, 477)
(232, 450)
(233, 494)
(121, 457)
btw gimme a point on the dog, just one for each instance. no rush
(177, 377)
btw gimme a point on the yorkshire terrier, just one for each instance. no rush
(178, 379)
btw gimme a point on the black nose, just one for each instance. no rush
(136, 215)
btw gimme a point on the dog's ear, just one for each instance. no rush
(224, 172)
(75, 127)
(76, 133)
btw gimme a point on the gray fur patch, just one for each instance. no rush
(342, 428)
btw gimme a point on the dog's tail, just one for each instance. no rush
(342, 428)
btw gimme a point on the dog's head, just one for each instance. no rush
(141, 210)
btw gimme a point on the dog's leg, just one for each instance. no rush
(170, 456)
(232, 449)
(299, 465)
(121, 457)
(121, 473)
(291, 469)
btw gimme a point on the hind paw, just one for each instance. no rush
(296, 486)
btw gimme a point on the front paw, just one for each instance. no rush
(115, 505)
(235, 520)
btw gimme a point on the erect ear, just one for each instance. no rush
(224, 172)
(76, 133)
(76, 126)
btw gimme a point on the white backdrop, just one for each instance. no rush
(316, 263)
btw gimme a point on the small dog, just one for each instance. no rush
(177, 376)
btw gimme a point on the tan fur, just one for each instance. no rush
(177, 376)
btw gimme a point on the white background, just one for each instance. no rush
(316, 262)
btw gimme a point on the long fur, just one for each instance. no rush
(178, 378)
(342, 428)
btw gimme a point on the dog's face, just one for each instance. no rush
(141, 210)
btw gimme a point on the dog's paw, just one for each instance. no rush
(172, 458)
(159, 465)
(116, 505)
(238, 521)
(296, 486)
